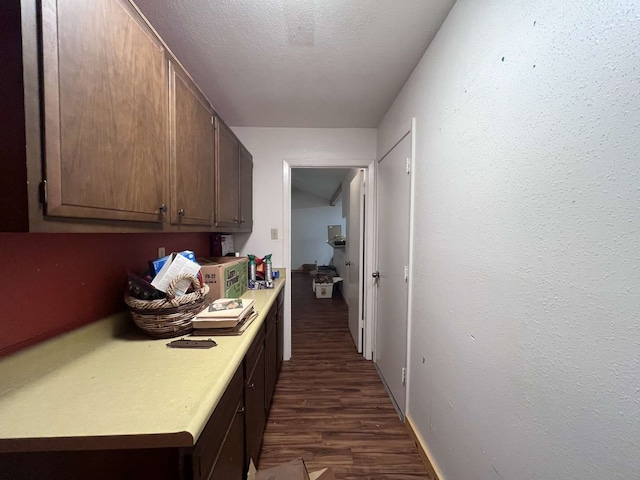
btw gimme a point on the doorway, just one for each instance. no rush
(366, 167)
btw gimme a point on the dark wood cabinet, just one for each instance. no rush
(254, 392)
(280, 331)
(234, 182)
(132, 464)
(218, 454)
(227, 177)
(192, 152)
(219, 451)
(230, 464)
(270, 356)
(105, 102)
(231, 437)
(246, 190)
(229, 440)
(108, 133)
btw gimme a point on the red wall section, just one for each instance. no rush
(51, 283)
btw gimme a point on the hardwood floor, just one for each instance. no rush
(330, 406)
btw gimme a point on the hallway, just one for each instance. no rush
(330, 406)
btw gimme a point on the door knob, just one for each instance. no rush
(375, 274)
(347, 263)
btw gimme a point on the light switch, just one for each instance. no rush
(274, 234)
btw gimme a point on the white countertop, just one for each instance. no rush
(104, 386)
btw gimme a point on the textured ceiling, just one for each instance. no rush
(298, 63)
(321, 182)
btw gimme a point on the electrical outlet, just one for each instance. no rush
(161, 252)
(274, 234)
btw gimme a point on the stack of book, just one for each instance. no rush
(225, 316)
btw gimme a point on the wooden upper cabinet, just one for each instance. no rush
(105, 112)
(246, 190)
(192, 152)
(110, 133)
(227, 177)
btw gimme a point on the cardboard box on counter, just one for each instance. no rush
(293, 470)
(227, 277)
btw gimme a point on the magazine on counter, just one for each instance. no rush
(227, 308)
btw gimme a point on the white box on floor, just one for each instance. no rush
(324, 289)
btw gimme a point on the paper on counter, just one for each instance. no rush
(171, 269)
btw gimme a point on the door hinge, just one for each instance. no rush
(44, 192)
(404, 376)
(406, 273)
(408, 165)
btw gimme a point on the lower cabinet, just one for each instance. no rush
(230, 462)
(280, 331)
(129, 464)
(229, 440)
(218, 454)
(270, 357)
(255, 417)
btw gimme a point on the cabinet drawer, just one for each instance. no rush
(207, 449)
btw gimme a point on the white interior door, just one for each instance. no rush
(355, 269)
(394, 200)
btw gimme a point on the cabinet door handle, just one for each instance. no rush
(181, 212)
(252, 386)
(163, 209)
(241, 410)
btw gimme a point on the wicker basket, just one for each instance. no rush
(170, 316)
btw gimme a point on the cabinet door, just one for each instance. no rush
(227, 177)
(105, 111)
(255, 416)
(192, 152)
(280, 332)
(220, 447)
(230, 461)
(255, 420)
(246, 190)
(270, 364)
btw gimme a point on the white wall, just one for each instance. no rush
(270, 147)
(525, 348)
(275, 151)
(310, 216)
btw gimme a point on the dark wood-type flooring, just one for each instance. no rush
(330, 406)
